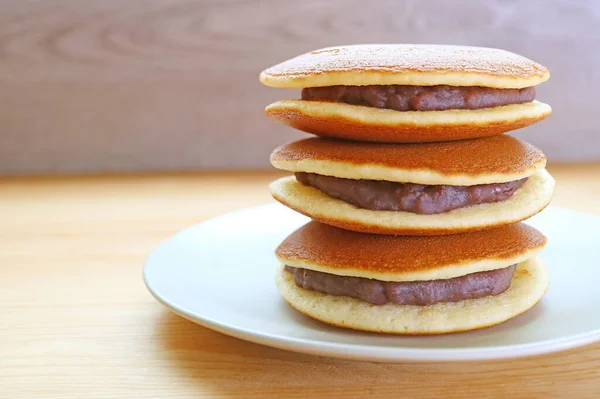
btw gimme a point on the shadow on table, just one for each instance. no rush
(206, 362)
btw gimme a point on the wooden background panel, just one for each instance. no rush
(173, 84)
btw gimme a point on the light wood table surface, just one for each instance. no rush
(77, 321)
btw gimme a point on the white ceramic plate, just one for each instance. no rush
(220, 274)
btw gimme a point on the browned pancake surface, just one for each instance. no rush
(342, 249)
(497, 154)
(335, 126)
(404, 58)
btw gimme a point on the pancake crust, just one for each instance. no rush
(328, 249)
(406, 64)
(528, 286)
(495, 159)
(355, 122)
(530, 199)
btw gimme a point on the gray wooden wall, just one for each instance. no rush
(112, 85)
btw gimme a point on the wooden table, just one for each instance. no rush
(77, 321)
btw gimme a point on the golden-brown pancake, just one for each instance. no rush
(487, 160)
(361, 123)
(531, 198)
(528, 286)
(406, 64)
(463, 163)
(328, 249)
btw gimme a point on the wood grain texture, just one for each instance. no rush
(77, 321)
(173, 84)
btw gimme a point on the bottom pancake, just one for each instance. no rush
(529, 284)
(528, 200)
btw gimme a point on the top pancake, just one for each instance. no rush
(485, 160)
(329, 249)
(406, 64)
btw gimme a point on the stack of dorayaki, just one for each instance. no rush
(416, 193)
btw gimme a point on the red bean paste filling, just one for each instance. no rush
(408, 197)
(421, 293)
(420, 98)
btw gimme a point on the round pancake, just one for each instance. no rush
(361, 123)
(529, 284)
(528, 200)
(327, 249)
(495, 159)
(406, 64)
